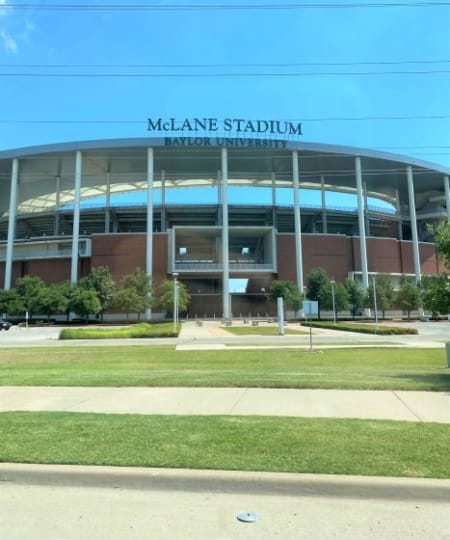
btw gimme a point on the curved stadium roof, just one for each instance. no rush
(195, 166)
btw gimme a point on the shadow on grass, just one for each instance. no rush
(437, 383)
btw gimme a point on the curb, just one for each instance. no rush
(281, 484)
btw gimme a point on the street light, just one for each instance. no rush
(333, 283)
(175, 301)
(375, 303)
(308, 303)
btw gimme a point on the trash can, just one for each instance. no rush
(447, 350)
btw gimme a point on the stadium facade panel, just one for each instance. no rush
(214, 209)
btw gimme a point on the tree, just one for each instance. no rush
(290, 293)
(52, 300)
(342, 298)
(129, 301)
(384, 294)
(319, 287)
(442, 240)
(65, 288)
(28, 289)
(436, 293)
(166, 296)
(141, 284)
(408, 297)
(10, 301)
(100, 280)
(356, 295)
(436, 289)
(84, 302)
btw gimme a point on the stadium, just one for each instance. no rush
(226, 215)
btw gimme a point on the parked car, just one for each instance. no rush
(5, 325)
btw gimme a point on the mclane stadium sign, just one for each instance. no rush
(235, 126)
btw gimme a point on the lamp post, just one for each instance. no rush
(375, 303)
(333, 283)
(175, 301)
(305, 294)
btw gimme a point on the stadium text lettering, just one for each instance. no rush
(236, 125)
(223, 141)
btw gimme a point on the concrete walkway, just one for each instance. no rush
(211, 334)
(386, 405)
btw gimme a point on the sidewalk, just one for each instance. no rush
(385, 405)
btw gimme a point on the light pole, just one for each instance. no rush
(333, 283)
(175, 301)
(310, 316)
(375, 304)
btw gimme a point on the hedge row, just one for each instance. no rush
(141, 330)
(362, 328)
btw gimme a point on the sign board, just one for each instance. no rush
(310, 307)
(240, 126)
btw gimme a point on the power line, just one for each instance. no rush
(306, 119)
(230, 65)
(420, 147)
(223, 75)
(366, 118)
(219, 7)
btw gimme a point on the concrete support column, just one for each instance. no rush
(11, 223)
(297, 222)
(412, 213)
(219, 198)
(447, 196)
(361, 222)
(399, 214)
(57, 204)
(149, 237)
(108, 203)
(225, 237)
(163, 201)
(324, 205)
(366, 210)
(76, 219)
(274, 201)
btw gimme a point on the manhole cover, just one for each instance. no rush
(247, 517)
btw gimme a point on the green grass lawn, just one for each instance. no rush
(357, 447)
(400, 369)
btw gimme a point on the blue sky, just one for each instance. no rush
(295, 37)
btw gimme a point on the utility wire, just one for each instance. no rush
(313, 119)
(230, 65)
(223, 75)
(218, 7)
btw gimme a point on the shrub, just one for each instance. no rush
(363, 328)
(141, 330)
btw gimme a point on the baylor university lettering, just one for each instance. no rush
(235, 125)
